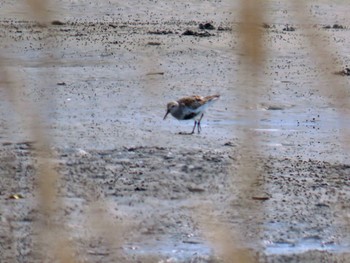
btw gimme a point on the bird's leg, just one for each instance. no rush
(194, 127)
(199, 128)
(190, 133)
(201, 117)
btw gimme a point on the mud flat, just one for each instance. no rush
(296, 210)
(100, 84)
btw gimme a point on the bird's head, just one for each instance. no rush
(171, 107)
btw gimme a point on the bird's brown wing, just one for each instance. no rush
(212, 97)
(192, 102)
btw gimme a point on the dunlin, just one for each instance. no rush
(192, 107)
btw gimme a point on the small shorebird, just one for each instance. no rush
(191, 107)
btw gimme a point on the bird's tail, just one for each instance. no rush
(212, 97)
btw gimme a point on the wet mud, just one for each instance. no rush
(101, 82)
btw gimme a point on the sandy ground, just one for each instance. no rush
(100, 80)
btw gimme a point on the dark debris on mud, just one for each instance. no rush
(206, 26)
(343, 72)
(189, 32)
(335, 26)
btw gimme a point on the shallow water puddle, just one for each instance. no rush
(171, 249)
(308, 244)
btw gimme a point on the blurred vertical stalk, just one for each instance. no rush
(334, 87)
(250, 39)
(52, 237)
(39, 9)
(251, 18)
(100, 222)
(48, 202)
(250, 36)
(321, 52)
(225, 240)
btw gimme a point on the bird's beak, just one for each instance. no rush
(166, 114)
